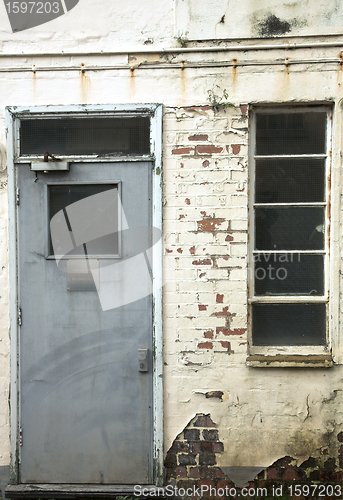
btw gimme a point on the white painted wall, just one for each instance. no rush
(255, 18)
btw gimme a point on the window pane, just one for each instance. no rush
(289, 228)
(97, 213)
(290, 181)
(80, 136)
(290, 133)
(289, 324)
(289, 274)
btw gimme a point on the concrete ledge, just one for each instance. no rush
(74, 491)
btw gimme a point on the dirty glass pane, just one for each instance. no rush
(289, 324)
(289, 228)
(85, 136)
(63, 196)
(290, 133)
(289, 181)
(288, 274)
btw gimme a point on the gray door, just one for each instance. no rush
(84, 240)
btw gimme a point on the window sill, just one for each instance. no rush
(290, 360)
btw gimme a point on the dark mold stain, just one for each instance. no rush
(273, 26)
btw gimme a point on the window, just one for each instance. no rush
(290, 230)
(116, 136)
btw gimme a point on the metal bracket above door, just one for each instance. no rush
(47, 166)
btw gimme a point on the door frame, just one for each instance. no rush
(14, 115)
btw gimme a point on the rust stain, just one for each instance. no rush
(85, 85)
(34, 82)
(182, 81)
(287, 66)
(132, 82)
(234, 72)
(340, 68)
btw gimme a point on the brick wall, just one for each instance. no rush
(205, 227)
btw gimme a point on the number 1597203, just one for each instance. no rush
(33, 7)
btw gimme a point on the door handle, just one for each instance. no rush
(143, 359)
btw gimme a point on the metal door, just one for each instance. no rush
(84, 240)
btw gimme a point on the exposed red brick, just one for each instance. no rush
(179, 447)
(205, 345)
(206, 482)
(181, 165)
(224, 312)
(198, 137)
(340, 451)
(181, 216)
(188, 201)
(202, 262)
(229, 238)
(183, 151)
(192, 434)
(208, 334)
(237, 331)
(206, 163)
(222, 484)
(244, 109)
(195, 447)
(225, 344)
(228, 331)
(223, 330)
(272, 473)
(204, 421)
(192, 250)
(340, 437)
(202, 307)
(208, 149)
(188, 459)
(218, 448)
(219, 298)
(169, 251)
(206, 447)
(324, 452)
(236, 148)
(337, 476)
(201, 275)
(289, 474)
(181, 472)
(194, 472)
(209, 224)
(180, 250)
(204, 214)
(214, 394)
(210, 435)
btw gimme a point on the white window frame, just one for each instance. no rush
(289, 355)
